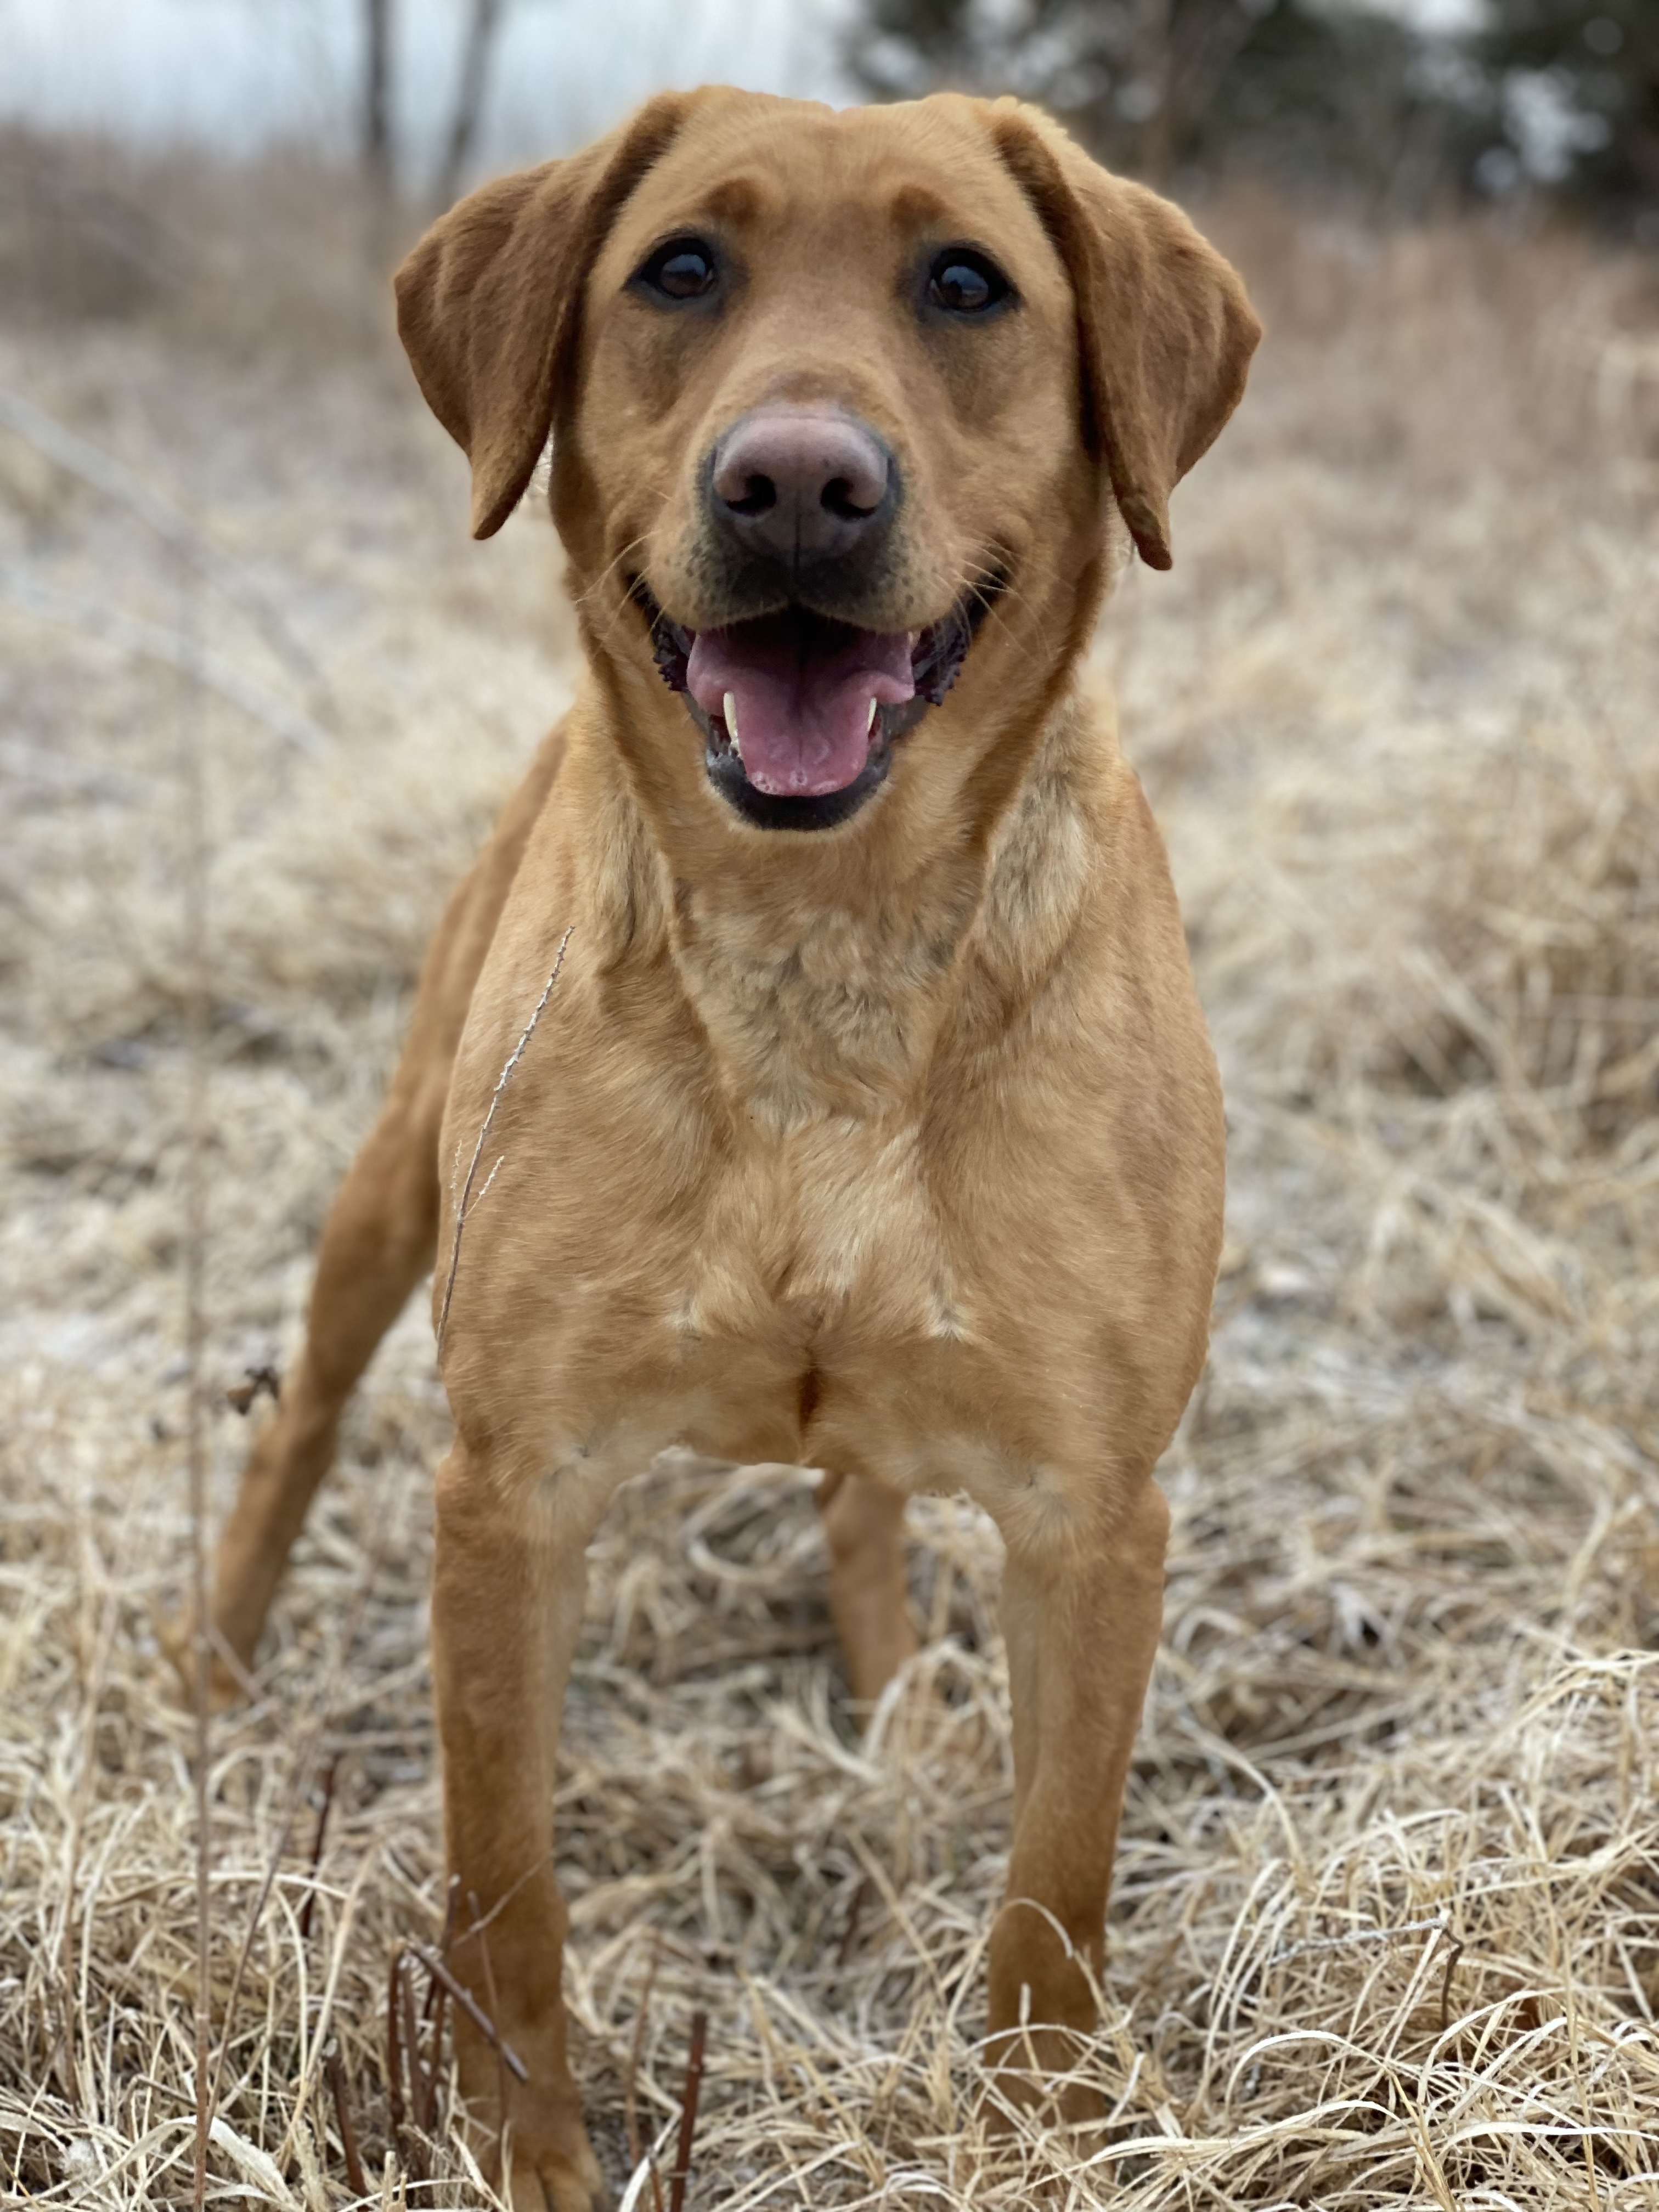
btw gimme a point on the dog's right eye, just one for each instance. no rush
(684, 268)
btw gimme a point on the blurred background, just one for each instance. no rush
(1402, 103)
(1386, 1927)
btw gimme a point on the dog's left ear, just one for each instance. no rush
(1164, 330)
(489, 301)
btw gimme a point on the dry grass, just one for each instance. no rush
(1386, 1927)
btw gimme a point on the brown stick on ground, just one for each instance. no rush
(849, 1933)
(688, 2113)
(334, 2069)
(394, 2056)
(419, 2094)
(1454, 1953)
(436, 1997)
(435, 1992)
(317, 1844)
(635, 2051)
(424, 2088)
(460, 1994)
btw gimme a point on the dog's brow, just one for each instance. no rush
(736, 199)
(914, 207)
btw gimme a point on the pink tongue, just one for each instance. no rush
(802, 692)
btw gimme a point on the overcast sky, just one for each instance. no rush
(240, 73)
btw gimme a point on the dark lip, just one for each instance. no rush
(936, 661)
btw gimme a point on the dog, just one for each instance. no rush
(810, 1070)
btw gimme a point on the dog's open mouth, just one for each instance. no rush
(799, 697)
(800, 713)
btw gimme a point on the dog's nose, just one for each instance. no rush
(802, 483)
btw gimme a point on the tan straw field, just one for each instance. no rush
(1386, 1930)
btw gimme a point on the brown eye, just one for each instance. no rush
(683, 270)
(965, 283)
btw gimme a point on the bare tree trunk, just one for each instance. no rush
(1154, 67)
(481, 26)
(1195, 43)
(377, 88)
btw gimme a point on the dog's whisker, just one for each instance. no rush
(592, 590)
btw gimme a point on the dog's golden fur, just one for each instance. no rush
(895, 1149)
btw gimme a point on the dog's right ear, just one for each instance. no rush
(489, 301)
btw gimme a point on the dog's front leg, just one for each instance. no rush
(1081, 1612)
(506, 1608)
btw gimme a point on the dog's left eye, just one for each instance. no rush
(684, 268)
(964, 282)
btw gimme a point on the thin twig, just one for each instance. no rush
(78, 457)
(432, 2012)
(437, 2020)
(434, 1988)
(149, 641)
(1358, 1935)
(688, 2113)
(480, 1931)
(855, 1913)
(319, 2040)
(192, 776)
(635, 2051)
(423, 2082)
(334, 2068)
(502, 1081)
(394, 2054)
(1454, 1952)
(415, 2147)
(382, 1524)
(460, 1994)
(332, 1769)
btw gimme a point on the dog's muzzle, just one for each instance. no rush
(799, 702)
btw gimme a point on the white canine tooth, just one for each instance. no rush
(871, 724)
(729, 709)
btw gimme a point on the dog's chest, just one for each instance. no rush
(818, 1227)
(824, 1236)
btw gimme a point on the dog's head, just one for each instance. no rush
(846, 409)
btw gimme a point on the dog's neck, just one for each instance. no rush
(824, 969)
(820, 1005)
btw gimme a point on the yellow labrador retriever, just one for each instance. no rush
(810, 1070)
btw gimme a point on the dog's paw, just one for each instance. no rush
(551, 2166)
(178, 1641)
(1039, 2077)
(561, 2176)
